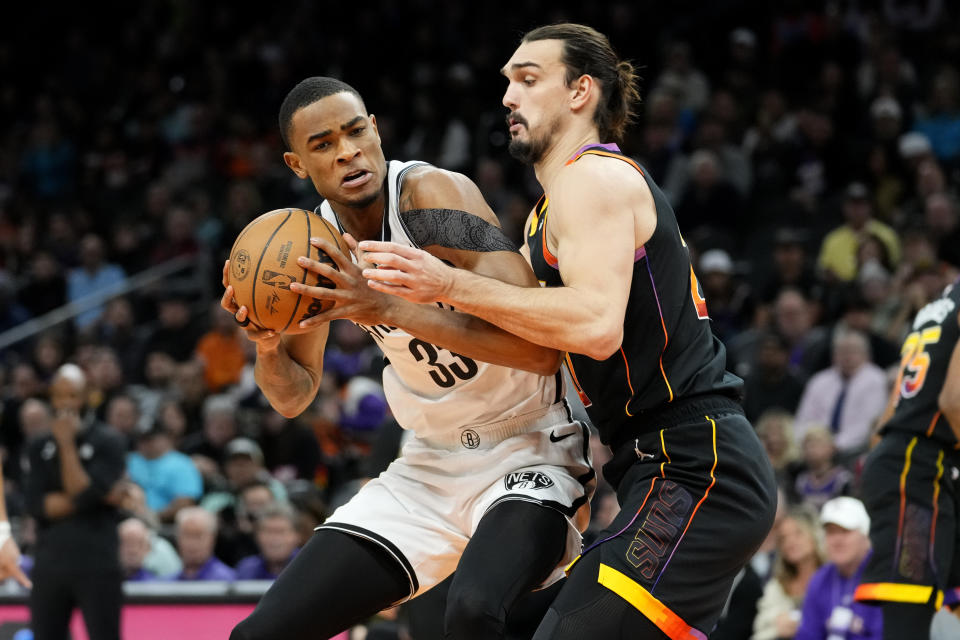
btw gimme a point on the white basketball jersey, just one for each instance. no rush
(432, 390)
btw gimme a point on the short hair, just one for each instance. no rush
(219, 404)
(586, 51)
(277, 511)
(306, 93)
(193, 512)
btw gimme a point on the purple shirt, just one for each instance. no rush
(212, 569)
(829, 611)
(141, 575)
(255, 568)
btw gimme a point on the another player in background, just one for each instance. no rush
(496, 483)
(9, 551)
(910, 479)
(620, 296)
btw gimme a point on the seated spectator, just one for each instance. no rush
(277, 540)
(798, 557)
(823, 478)
(206, 447)
(848, 397)
(196, 533)
(242, 465)
(829, 612)
(838, 253)
(771, 383)
(162, 558)
(123, 414)
(167, 476)
(775, 430)
(221, 350)
(94, 275)
(289, 449)
(134, 547)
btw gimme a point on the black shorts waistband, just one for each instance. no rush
(678, 412)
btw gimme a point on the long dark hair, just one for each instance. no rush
(586, 51)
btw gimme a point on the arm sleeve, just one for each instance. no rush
(105, 469)
(34, 485)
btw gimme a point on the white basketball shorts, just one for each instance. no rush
(426, 505)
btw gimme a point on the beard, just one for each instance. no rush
(531, 151)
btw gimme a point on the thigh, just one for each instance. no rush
(100, 598)
(336, 581)
(514, 549)
(51, 604)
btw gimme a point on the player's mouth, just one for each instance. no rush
(515, 121)
(356, 179)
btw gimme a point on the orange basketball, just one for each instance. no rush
(263, 263)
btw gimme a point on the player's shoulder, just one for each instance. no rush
(429, 187)
(602, 178)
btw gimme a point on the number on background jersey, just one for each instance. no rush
(916, 361)
(444, 375)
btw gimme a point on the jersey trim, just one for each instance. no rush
(897, 592)
(933, 423)
(646, 603)
(666, 335)
(903, 498)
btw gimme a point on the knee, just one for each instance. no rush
(473, 613)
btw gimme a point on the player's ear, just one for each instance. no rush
(373, 123)
(582, 90)
(293, 161)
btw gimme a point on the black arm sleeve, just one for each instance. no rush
(104, 470)
(454, 229)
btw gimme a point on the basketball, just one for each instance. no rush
(263, 264)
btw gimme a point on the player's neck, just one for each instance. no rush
(365, 223)
(564, 146)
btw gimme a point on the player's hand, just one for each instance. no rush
(266, 339)
(412, 274)
(351, 296)
(65, 426)
(10, 563)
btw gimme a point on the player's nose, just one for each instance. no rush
(509, 98)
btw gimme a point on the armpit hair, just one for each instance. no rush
(454, 229)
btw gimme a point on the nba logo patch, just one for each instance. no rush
(527, 480)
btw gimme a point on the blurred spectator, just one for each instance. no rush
(822, 478)
(278, 542)
(12, 313)
(168, 477)
(24, 384)
(848, 397)
(941, 122)
(709, 202)
(728, 300)
(206, 447)
(123, 416)
(829, 612)
(838, 253)
(94, 275)
(46, 286)
(683, 80)
(858, 316)
(196, 533)
(943, 223)
(134, 547)
(118, 329)
(289, 450)
(775, 430)
(791, 267)
(221, 351)
(799, 555)
(173, 334)
(771, 383)
(242, 465)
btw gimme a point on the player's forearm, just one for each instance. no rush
(559, 317)
(473, 337)
(75, 479)
(289, 387)
(57, 504)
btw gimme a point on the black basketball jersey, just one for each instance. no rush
(668, 350)
(925, 357)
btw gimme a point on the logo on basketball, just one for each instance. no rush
(470, 439)
(240, 265)
(276, 279)
(527, 480)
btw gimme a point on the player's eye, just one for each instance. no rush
(529, 81)
(320, 146)
(358, 131)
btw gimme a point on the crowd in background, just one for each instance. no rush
(811, 151)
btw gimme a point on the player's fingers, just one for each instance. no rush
(342, 261)
(392, 276)
(321, 318)
(323, 293)
(226, 300)
(392, 289)
(241, 314)
(338, 278)
(226, 272)
(389, 247)
(390, 260)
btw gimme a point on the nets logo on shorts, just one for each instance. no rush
(527, 480)
(470, 439)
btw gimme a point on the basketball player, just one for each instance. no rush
(621, 298)
(910, 479)
(496, 481)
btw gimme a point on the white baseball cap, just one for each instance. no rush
(846, 512)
